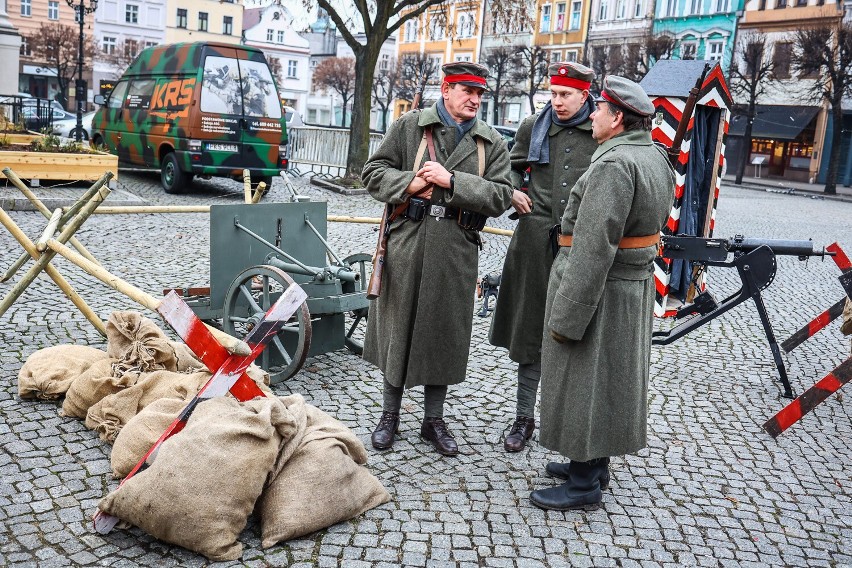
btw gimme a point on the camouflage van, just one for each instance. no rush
(195, 109)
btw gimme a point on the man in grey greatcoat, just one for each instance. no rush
(419, 328)
(556, 145)
(600, 298)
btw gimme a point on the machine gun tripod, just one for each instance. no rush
(754, 260)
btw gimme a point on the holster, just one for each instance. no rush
(554, 233)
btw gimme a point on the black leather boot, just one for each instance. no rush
(435, 430)
(522, 430)
(581, 491)
(383, 435)
(560, 470)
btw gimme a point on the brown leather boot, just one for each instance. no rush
(435, 430)
(383, 435)
(522, 430)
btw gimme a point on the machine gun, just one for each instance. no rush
(486, 290)
(754, 260)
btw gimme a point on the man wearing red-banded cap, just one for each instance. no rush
(555, 145)
(596, 352)
(447, 172)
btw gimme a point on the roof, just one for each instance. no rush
(776, 122)
(673, 77)
(251, 17)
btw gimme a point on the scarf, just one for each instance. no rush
(539, 151)
(448, 120)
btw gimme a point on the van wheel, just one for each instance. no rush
(171, 177)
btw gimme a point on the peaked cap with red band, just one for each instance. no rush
(466, 73)
(626, 94)
(571, 74)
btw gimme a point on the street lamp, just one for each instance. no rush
(80, 86)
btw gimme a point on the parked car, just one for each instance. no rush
(67, 127)
(508, 133)
(293, 117)
(206, 109)
(39, 117)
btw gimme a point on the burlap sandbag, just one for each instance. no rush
(138, 344)
(94, 384)
(203, 484)
(109, 415)
(321, 484)
(846, 326)
(185, 359)
(48, 373)
(139, 434)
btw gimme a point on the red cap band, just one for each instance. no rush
(610, 99)
(570, 82)
(459, 78)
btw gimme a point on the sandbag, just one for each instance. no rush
(846, 326)
(138, 344)
(110, 414)
(323, 483)
(94, 384)
(185, 360)
(201, 488)
(139, 434)
(48, 373)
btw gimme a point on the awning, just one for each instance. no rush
(775, 122)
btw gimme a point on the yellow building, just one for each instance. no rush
(443, 37)
(561, 27)
(204, 20)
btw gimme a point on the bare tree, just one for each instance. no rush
(501, 61)
(606, 60)
(530, 72)
(337, 74)
(57, 46)
(656, 47)
(417, 70)
(118, 57)
(380, 20)
(824, 54)
(752, 73)
(276, 68)
(386, 89)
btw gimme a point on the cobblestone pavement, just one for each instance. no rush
(712, 489)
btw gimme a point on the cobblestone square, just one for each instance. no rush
(711, 489)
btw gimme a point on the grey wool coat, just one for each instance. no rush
(418, 330)
(518, 317)
(594, 393)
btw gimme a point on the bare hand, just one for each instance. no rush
(435, 173)
(558, 338)
(418, 184)
(521, 202)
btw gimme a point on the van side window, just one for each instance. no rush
(116, 97)
(139, 94)
(220, 86)
(260, 98)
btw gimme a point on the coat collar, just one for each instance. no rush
(556, 129)
(630, 138)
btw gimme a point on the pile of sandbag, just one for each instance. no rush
(300, 469)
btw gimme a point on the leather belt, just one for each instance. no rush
(443, 212)
(625, 243)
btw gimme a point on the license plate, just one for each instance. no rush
(223, 147)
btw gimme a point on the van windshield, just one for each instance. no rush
(239, 87)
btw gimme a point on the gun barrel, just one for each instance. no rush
(778, 246)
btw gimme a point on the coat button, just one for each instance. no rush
(562, 201)
(565, 167)
(567, 150)
(564, 184)
(444, 131)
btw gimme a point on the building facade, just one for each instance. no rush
(702, 29)
(618, 32)
(204, 20)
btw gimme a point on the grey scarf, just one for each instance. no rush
(448, 120)
(539, 151)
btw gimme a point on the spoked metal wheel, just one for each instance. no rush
(356, 320)
(251, 294)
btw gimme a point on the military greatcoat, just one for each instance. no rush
(418, 330)
(600, 297)
(518, 317)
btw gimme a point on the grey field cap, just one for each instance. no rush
(627, 94)
(571, 74)
(465, 73)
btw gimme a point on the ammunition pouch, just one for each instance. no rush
(471, 220)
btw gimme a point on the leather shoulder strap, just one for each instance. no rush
(430, 143)
(480, 155)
